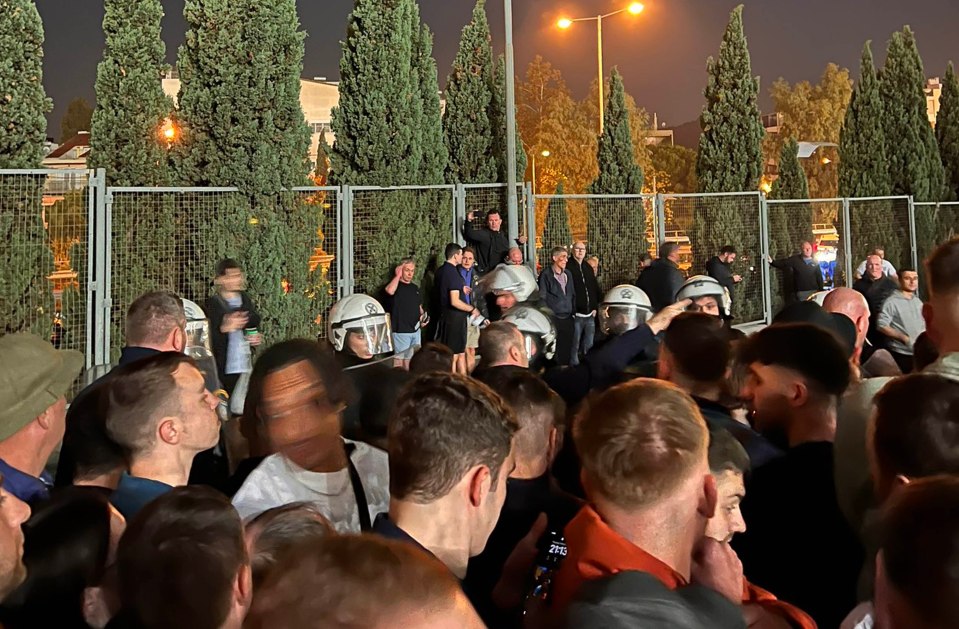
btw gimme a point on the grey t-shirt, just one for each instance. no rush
(902, 314)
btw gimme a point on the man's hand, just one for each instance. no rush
(769, 258)
(662, 319)
(522, 240)
(716, 566)
(234, 321)
(469, 216)
(737, 278)
(467, 290)
(398, 270)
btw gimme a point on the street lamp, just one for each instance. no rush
(564, 23)
(168, 131)
(543, 153)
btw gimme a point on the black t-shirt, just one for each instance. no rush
(448, 279)
(797, 543)
(405, 308)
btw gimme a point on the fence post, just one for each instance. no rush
(346, 240)
(659, 221)
(846, 242)
(95, 192)
(529, 252)
(766, 268)
(913, 240)
(459, 213)
(104, 292)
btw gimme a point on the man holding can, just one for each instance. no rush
(234, 324)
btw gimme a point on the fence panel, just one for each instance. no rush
(480, 199)
(390, 224)
(702, 224)
(45, 225)
(882, 223)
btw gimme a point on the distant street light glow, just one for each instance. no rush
(636, 8)
(545, 153)
(564, 23)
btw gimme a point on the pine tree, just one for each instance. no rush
(556, 232)
(498, 121)
(789, 224)
(615, 225)
(435, 157)
(245, 57)
(125, 131)
(469, 94)
(947, 136)
(26, 300)
(730, 155)
(76, 119)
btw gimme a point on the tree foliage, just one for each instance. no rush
(947, 136)
(789, 224)
(556, 232)
(435, 156)
(674, 168)
(497, 118)
(77, 118)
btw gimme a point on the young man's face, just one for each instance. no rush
(494, 221)
(728, 519)
(468, 260)
(232, 281)
(767, 392)
(13, 513)
(909, 280)
(197, 408)
(708, 304)
(729, 258)
(457, 258)
(409, 269)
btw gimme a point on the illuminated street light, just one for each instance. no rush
(168, 131)
(545, 153)
(825, 161)
(564, 23)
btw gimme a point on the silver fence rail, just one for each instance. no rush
(76, 253)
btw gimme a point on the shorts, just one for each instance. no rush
(405, 343)
(451, 330)
(472, 336)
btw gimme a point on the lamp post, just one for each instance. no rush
(543, 154)
(564, 23)
(512, 202)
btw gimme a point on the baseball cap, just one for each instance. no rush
(811, 312)
(33, 376)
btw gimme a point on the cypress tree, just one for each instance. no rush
(615, 225)
(947, 136)
(26, 300)
(435, 157)
(792, 224)
(498, 120)
(730, 155)
(469, 94)
(556, 233)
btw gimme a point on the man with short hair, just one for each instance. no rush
(406, 312)
(941, 310)
(502, 347)
(694, 356)
(182, 562)
(431, 357)
(887, 268)
(663, 279)
(801, 273)
(530, 489)
(454, 311)
(472, 296)
(900, 319)
(876, 288)
(34, 380)
(490, 243)
(155, 322)
(234, 324)
(558, 290)
(450, 446)
(796, 375)
(588, 295)
(515, 256)
(13, 513)
(361, 581)
(161, 413)
(719, 268)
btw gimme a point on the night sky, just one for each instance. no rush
(661, 53)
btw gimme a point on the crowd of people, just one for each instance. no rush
(549, 456)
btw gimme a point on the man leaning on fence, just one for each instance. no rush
(720, 269)
(802, 275)
(490, 243)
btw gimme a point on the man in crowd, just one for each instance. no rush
(450, 442)
(852, 304)
(503, 349)
(183, 563)
(431, 357)
(900, 319)
(876, 288)
(801, 274)
(587, 299)
(707, 295)
(155, 323)
(720, 269)
(406, 312)
(530, 489)
(694, 356)
(796, 375)
(558, 289)
(34, 379)
(234, 324)
(13, 513)
(361, 581)
(467, 270)
(515, 256)
(455, 312)
(887, 268)
(490, 243)
(663, 279)
(161, 414)
(295, 403)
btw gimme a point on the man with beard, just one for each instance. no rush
(797, 543)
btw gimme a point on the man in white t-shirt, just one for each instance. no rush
(295, 399)
(887, 268)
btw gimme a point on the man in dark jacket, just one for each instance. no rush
(587, 300)
(801, 274)
(234, 324)
(876, 288)
(490, 243)
(663, 279)
(720, 269)
(558, 290)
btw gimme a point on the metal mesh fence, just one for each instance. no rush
(171, 239)
(480, 199)
(818, 221)
(390, 224)
(702, 224)
(880, 223)
(44, 257)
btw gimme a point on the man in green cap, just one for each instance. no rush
(34, 379)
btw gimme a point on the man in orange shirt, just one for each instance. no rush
(646, 473)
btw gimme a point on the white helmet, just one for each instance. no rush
(705, 286)
(363, 315)
(510, 278)
(197, 346)
(819, 297)
(537, 329)
(624, 308)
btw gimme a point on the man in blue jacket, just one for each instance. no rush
(557, 288)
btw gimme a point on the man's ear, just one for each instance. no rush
(709, 498)
(479, 484)
(243, 587)
(168, 430)
(799, 394)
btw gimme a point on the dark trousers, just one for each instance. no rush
(565, 329)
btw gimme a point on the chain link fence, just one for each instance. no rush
(479, 200)
(46, 234)
(881, 224)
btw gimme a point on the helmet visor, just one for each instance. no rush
(369, 336)
(619, 319)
